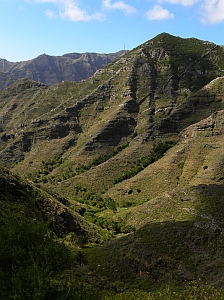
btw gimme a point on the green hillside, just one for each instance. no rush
(123, 172)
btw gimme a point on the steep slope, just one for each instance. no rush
(148, 95)
(179, 236)
(197, 160)
(40, 245)
(140, 145)
(50, 70)
(61, 216)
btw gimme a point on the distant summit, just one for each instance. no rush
(50, 70)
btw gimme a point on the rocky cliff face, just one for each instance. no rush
(150, 93)
(53, 69)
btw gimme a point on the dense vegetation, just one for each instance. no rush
(31, 260)
(36, 265)
(137, 166)
(36, 259)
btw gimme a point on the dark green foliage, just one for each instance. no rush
(114, 227)
(110, 203)
(158, 151)
(51, 164)
(160, 148)
(104, 157)
(101, 158)
(30, 258)
(95, 204)
(127, 204)
(87, 196)
(34, 264)
(48, 166)
(81, 258)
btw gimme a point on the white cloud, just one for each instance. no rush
(181, 2)
(212, 11)
(69, 9)
(50, 14)
(120, 5)
(158, 13)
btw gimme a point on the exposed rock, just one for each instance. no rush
(154, 91)
(207, 127)
(53, 69)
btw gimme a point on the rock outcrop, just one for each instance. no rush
(50, 70)
(148, 94)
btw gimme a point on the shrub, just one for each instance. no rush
(30, 258)
(158, 151)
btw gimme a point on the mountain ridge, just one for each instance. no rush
(50, 70)
(139, 146)
(143, 93)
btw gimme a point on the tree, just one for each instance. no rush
(81, 258)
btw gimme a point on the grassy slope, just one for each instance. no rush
(177, 202)
(105, 173)
(179, 227)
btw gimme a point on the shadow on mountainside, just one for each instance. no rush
(169, 252)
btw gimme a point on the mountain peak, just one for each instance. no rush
(136, 149)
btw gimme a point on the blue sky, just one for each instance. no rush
(29, 28)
